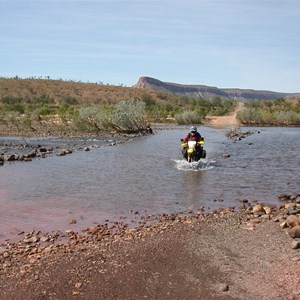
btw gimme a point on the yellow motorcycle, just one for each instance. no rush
(193, 151)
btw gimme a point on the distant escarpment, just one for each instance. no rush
(208, 92)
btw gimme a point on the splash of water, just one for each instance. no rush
(203, 164)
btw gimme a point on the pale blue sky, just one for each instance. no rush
(238, 43)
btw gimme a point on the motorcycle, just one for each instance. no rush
(193, 151)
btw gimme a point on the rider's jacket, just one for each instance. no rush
(193, 137)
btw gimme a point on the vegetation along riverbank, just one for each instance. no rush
(44, 107)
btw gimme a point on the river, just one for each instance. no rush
(147, 176)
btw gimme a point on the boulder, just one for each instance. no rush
(258, 208)
(292, 221)
(295, 244)
(283, 197)
(293, 211)
(32, 239)
(294, 232)
(283, 225)
(268, 210)
(290, 205)
(12, 157)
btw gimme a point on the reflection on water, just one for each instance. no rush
(149, 176)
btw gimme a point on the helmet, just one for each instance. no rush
(193, 129)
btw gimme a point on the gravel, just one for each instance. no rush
(212, 256)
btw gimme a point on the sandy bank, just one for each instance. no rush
(222, 255)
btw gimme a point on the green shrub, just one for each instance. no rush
(189, 117)
(15, 108)
(11, 100)
(45, 110)
(129, 116)
(148, 100)
(92, 119)
(269, 117)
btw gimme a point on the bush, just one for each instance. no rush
(45, 110)
(91, 119)
(269, 117)
(189, 117)
(129, 116)
(11, 100)
(15, 108)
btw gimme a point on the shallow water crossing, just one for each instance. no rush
(147, 176)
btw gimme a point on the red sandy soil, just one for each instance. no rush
(221, 121)
(213, 257)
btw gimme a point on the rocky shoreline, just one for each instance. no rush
(22, 149)
(31, 263)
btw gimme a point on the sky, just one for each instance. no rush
(252, 44)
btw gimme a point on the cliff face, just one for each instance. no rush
(208, 92)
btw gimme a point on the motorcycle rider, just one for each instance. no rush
(193, 135)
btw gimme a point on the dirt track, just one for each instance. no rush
(221, 121)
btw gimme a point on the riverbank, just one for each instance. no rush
(25, 145)
(227, 254)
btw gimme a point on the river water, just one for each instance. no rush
(147, 176)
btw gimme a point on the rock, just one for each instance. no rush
(243, 201)
(255, 221)
(297, 258)
(27, 159)
(45, 239)
(283, 225)
(295, 244)
(224, 287)
(12, 157)
(294, 232)
(2, 250)
(258, 208)
(68, 151)
(292, 221)
(31, 154)
(283, 197)
(268, 210)
(6, 254)
(48, 249)
(294, 196)
(78, 285)
(293, 211)
(61, 153)
(290, 205)
(43, 149)
(250, 226)
(30, 240)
